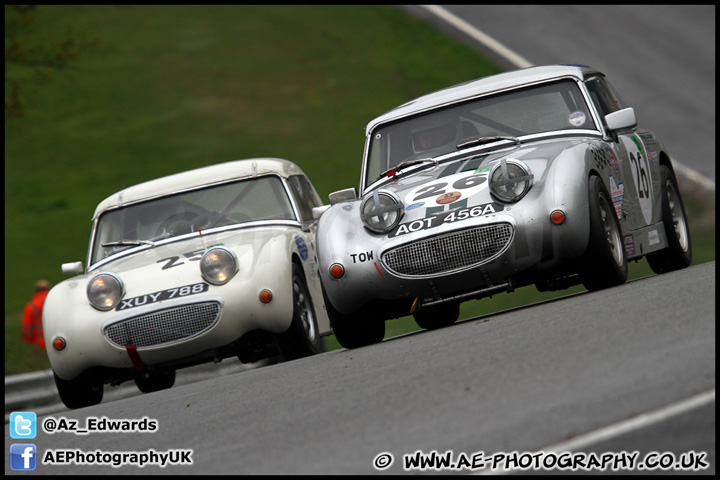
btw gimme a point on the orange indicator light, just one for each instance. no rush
(265, 296)
(337, 270)
(557, 217)
(59, 343)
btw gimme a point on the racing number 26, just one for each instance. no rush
(439, 188)
(640, 174)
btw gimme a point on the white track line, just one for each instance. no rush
(623, 427)
(521, 62)
(476, 34)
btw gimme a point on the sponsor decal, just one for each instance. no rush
(446, 198)
(629, 242)
(414, 206)
(653, 237)
(302, 248)
(577, 118)
(446, 217)
(614, 162)
(617, 192)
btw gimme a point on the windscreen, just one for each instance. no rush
(541, 108)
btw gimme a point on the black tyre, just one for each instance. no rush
(440, 316)
(353, 331)
(79, 393)
(605, 263)
(155, 381)
(678, 253)
(302, 338)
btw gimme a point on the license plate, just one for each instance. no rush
(168, 294)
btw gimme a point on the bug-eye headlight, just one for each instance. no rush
(510, 180)
(105, 291)
(218, 265)
(381, 211)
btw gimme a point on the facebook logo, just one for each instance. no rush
(23, 425)
(23, 456)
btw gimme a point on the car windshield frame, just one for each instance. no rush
(509, 113)
(238, 203)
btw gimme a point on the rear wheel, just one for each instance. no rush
(353, 331)
(678, 253)
(604, 262)
(440, 316)
(155, 381)
(302, 338)
(79, 393)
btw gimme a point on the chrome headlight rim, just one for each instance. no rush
(117, 293)
(526, 177)
(383, 226)
(230, 272)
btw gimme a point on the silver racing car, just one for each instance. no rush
(538, 176)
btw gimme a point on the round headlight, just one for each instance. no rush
(105, 291)
(381, 211)
(510, 181)
(218, 265)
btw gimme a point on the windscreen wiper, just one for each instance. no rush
(408, 163)
(123, 243)
(484, 140)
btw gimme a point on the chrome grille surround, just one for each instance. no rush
(161, 327)
(449, 252)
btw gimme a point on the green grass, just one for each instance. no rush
(170, 88)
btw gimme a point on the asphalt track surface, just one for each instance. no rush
(622, 370)
(518, 381)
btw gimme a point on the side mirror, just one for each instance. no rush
(318, 211)
(73, 267)
(621, 120)
(343, 195)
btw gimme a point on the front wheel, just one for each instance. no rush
(155, 381)
(353, 331)
(605, 263)
(79, 393)
(678, 253)
(441, 316)
(302, 338)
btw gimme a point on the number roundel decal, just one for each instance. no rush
(448, 189)
(640, 168)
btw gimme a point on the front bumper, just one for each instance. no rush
(164, 333)
(457, 262)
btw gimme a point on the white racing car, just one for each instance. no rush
(194, 267)
(538, 176)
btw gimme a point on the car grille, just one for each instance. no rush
(166, 326)
(446, 253)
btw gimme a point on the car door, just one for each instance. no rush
(631, 181)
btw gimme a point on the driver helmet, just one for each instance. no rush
(435, 131)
